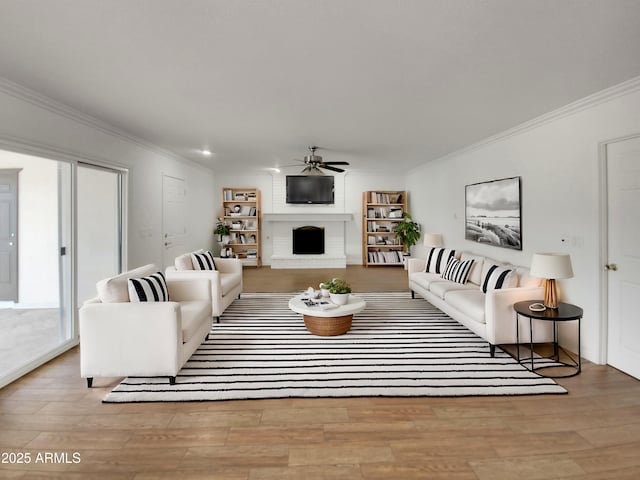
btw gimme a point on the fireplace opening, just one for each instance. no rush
(308, 240)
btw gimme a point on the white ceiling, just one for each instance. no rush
(386, 84)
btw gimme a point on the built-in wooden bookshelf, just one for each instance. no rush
(241, 213)
(381, 212)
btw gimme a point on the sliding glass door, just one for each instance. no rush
(62, 228)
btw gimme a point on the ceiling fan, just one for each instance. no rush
(313, 163)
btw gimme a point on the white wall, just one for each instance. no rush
(348, 195)
(558, 160)
(38, 282)
(28, 119)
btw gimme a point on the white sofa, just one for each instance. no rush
(490, 315)
(119, 338)
(225, 280)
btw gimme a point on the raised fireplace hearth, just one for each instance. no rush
(308, 240)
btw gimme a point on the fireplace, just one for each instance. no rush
(308, 240)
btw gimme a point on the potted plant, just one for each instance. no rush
(339, 291)
(325, 287)
(407, 231)
(222, 230)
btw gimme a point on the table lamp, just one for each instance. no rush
(551, 266)
(432, 240)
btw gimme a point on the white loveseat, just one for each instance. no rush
(490, 315)
(225, 280)
(119, 338)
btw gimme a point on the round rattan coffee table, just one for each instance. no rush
(327, 322)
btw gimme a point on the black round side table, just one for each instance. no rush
(565, 312)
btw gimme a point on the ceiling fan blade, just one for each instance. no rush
(335, 163)
(291, 165)
(329, 167)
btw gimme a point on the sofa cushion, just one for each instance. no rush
(424, 279)
(193, 313)
(469, 302)
(115, 289)
(440, 289)
(457, 271)
(203, 261)
(228, 281)
(183, 262)
(498, 277)
(437, 259)
(475, 275)
(152, 288)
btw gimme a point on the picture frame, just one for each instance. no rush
(493, 213)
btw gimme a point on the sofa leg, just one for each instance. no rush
(217, 319)
(172, 380)
(89, 382)
(492, 350)
(239, 296)
(413, 295)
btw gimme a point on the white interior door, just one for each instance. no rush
(174, 230)
(623, 187)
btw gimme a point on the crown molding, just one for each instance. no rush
(629, 86)
(27, 95)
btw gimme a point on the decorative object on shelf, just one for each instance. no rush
(222, 230)
(551, 266)
(339, 291)
(432, 240)
(493, 213)
(407, 231)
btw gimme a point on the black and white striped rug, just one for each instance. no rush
(396, 347)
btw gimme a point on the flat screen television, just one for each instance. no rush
(310, 189)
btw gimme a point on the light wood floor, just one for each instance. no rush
(591, 433)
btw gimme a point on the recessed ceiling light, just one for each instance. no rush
(277, 170)
(206, 152)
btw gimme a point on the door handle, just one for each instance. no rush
(167, 244)
(611, 267)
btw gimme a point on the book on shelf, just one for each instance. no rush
(385, 197)
(392, 256)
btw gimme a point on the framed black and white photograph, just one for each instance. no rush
(493, 213)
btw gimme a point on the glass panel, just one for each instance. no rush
(98, 214)
(37, 320)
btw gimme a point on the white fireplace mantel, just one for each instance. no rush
(302, 217)
(334, 224)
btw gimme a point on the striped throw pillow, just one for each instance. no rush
(457, 271)
(203, 261)
(497, 277)
(148, 289)
(437, 259)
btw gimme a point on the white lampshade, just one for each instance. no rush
(432, 240)
(551, 265)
